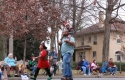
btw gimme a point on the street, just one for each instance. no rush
(91, 79)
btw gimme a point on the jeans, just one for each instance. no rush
(0, 75)
(67, 71)
(86, 68)
(33, 69)
(113, 69)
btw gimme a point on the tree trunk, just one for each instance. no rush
(24, 54)
(74, 22)
(59, 53)
(74, 15)
(55, 43)
(78, 24)
(4, 46)
(109, 10)
(52, 42)
(105, 55)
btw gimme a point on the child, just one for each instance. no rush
(4, 77)
(70, 30)
(43, 62)
(22, 69)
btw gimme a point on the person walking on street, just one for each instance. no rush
(43, 62)
(67, 50)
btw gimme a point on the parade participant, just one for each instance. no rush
(42, 62)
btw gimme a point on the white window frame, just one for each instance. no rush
(118, 38)
(116, 57)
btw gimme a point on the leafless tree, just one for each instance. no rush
(110, 7)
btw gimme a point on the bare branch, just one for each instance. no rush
(115, 2)
(119, 6)
(100, 5)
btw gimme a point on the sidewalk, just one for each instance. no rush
(75, 75)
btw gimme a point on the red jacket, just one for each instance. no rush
(43, 63)
(110, 64)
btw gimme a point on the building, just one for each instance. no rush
(89, 41)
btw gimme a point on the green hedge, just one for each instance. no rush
(100, 64)
(74, 64)
(117, 64)
(122, 65)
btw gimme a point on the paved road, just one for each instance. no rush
(91, 79)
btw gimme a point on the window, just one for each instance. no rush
(81, 55)
(94, 53)
(95, 40)
(89, 40)
(118, 56)
(82, 41)
(118, 39)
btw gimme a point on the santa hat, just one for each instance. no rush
(43, 44)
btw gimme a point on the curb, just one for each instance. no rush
(59, 77)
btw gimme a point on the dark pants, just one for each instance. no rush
(55, 69)
(12, 67)
(98, 69)
(47, 70)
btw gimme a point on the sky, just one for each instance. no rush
(121, 15)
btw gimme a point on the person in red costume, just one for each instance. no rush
(43, 62)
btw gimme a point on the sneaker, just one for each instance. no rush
(33, 78)
(113, 74)
(49, 78)
(17, 75)
(89, 74)
(63, 78)
(100, 75)
(84, 74)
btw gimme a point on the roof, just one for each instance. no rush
(83, 47)
(95, 28)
